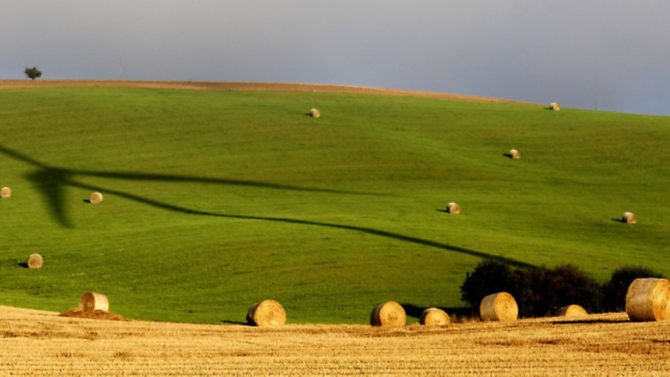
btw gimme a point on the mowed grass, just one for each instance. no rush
(215, 200)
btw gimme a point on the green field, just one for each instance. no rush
(217, 199)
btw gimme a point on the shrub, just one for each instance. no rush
(538, 291)
(487, 278)
(614, 291)
(547, 290)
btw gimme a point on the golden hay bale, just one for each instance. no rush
(35, 261)
(554, 106)
(453, 208)
(432, 317)
(572, 311)
(388, 314)
(499, 307)
(96, 198)
(92, 301)
(266, 313)
(5, 192)
(648, 299)
(315, 113)
(629, 218)
(514, 154)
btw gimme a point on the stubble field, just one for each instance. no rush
(42, 343)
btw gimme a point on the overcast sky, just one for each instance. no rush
(606, 54)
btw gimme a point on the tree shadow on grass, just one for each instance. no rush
(52, 182)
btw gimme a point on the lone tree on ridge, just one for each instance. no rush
(33, 73)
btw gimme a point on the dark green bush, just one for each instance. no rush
(550, 289)
(538, 291)
(487, 278)
(614, 291)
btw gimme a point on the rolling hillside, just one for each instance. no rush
(219, 197)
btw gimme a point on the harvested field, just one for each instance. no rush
(246, 86)
(42, 343)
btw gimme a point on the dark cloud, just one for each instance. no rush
(610, 54)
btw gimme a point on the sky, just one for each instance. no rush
(610, 55)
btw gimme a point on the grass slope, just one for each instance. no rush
(217, 199)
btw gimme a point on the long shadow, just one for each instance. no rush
(57, 172)
(52, 182)
(376, 232)
(220, 181)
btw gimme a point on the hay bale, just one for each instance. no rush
(35, 261)
(96, 198)
(433, 317)
(514, 154)
(629, 218)
(5, 193)
(499, 307)
(92, 301)
(572, 311)
(315, 113)
(648, 299)
(266, 313)
(388, 314)
(554, 106)
(453, 208)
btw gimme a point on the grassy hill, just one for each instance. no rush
(216, 199)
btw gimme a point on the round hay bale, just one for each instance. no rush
(554, 106)
(266, 313)
(315, 113)
(5, 193)
(433, 317)
(35, 261)
(629, 218)
(388, 314)
(499, 307)
(453, 208)
(648, 299)
(92, 301)
(514, 154)
(572, 311)
(96, 198)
